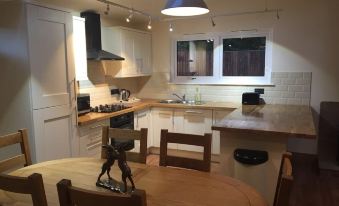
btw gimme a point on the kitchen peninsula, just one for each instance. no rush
(264, 128)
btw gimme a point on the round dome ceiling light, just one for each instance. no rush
(185, 8)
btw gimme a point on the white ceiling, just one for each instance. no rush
(154, 7)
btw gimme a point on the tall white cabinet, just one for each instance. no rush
(41, 50)
(52, 81)
(133, 45)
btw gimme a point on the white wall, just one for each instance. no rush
(15, 106)
(304, 40)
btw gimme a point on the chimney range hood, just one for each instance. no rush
(93, 38)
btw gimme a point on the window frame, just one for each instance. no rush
(194, 79)
(218, 77)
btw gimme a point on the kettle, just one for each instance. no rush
(124, 94)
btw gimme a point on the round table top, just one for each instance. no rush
(163, 185)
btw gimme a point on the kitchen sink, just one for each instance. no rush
(190, 102)
(171, 101)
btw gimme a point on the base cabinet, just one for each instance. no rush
(53, 133)
(218, 115)
(90, 139)
(162, 118)
(192, 121)
(142, 120)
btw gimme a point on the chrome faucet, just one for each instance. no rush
(183, 98)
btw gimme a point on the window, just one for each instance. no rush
(195, 58)
(244, 56)
(223, 58)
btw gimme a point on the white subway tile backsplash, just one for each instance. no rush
(290, 88)
(295, 75)
(295, 88)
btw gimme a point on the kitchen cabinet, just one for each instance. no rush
(50, 57)
(79, 48)
(53, 133)
(192, 121)
(39, 63)
(133, 45)
(142, 119)
(218, 115)
(162, 118)
(90, 139)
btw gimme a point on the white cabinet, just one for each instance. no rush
(51, 61)
(162, 118)
(50, 56)
(192, 121)
(79, 48)
(142, 119)
(218, 115)
(90, 138)
(133, 45)
(53, 133)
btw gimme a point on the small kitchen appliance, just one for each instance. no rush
(83, 104)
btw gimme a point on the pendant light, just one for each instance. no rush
(185, 8)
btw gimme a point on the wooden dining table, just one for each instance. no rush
(164, 186)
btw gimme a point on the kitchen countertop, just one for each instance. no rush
(147, 103)
(285, 120)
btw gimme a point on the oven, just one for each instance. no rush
(124, 121)
(83, 104)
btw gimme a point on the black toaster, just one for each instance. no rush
(251, 98)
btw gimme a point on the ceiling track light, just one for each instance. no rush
(107, 10)
(170, 27)
(130, 16)
(185, 8)
(212, 22)
(149, 26)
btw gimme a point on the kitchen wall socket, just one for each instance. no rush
(115, 91)
(259, 90)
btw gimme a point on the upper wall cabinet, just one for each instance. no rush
(79, 47)
(135, 46)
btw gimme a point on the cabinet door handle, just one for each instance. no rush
(193, 112)
(163, 113)
(98, 144)
(94, 127)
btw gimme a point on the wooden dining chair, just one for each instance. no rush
(189, 139)
(285, 181)
(126, 134)
(69, 195)
(24, 159)
(32, 185)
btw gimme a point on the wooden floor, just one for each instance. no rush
(311, 186)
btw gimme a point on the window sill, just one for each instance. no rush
(223, 84)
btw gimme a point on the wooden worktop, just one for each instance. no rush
(284, 120)
(147, 103)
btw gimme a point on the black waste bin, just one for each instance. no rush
(250, 157)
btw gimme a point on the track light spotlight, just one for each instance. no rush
(107, 10)
(129, 18)
(149, 26)
(212, 22)
(170, 27)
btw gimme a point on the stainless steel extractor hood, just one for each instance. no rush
(93, 38)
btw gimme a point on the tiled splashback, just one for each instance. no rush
(290, 88)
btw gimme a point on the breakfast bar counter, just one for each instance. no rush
(282, 120)
(264, 128)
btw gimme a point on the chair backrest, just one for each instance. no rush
(126, 134)
(24, 159)
(69, 195)
(32, 185)
(189, 139)
(285, 181)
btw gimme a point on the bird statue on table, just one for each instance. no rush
(117, 151)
